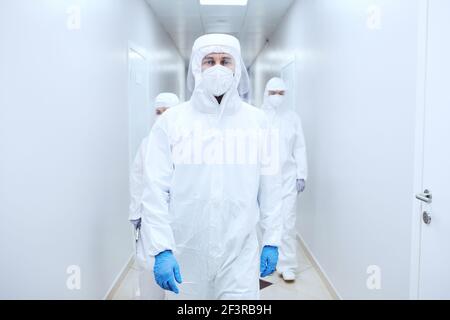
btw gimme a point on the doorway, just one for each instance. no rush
(431, 238)
(138, 98)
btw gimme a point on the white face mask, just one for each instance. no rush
(218, 80)
(276, 100)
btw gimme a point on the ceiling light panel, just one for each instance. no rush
(223, 2)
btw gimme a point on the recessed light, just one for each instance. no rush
(223, 2)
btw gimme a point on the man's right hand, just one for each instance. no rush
(167, 271)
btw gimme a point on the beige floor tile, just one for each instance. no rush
(308, 285)
(129, 288)
(135, 265)
(276, 292)
(303, 261)
(307, 282)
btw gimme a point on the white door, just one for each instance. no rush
(138, 100)
(434, 274)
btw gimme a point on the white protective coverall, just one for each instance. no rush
(148, 290)
(293, 163)
(167, 100)
(204, 197)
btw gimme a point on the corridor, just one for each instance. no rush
(364, 85)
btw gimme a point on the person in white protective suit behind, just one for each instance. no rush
(209, 180)
(147, 290)
(293, 168)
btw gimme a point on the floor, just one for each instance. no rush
(308, 286)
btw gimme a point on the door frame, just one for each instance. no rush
(132, 46)
(416, 225)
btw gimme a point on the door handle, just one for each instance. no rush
(426, 197)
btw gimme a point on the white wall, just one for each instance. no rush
(64, 140)
(356, 90)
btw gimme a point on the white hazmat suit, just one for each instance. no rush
(166, 100)
(148, 290)
(293, 168)
(204, 195)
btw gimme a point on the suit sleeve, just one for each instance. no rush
(269, 196)
(158, 171)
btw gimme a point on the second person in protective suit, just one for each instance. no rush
(147, 290)
(209, 180)
(293, 169)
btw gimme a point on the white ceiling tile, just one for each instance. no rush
(223, 11)
(185, 20)
(260, 25)
(268, 8)
(223, 24)
(185, 26)
(175, 8)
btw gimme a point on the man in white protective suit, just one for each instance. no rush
(210, 178)
(147, 289)
(293, 164)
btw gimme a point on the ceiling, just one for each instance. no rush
(186, 20)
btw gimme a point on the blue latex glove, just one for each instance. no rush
(167, 271)
(301, 185)
(269, 260)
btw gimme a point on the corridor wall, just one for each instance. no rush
(64, 147)
(356, 72)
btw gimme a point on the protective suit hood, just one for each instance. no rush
(201, 99)
(274, 84)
